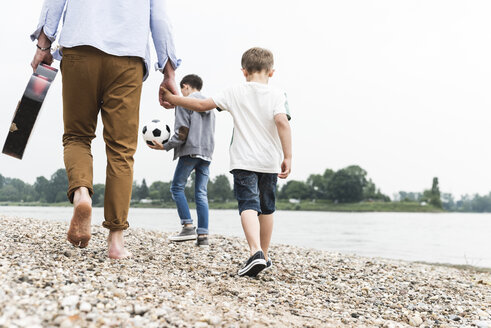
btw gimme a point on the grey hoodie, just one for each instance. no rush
(193, 132)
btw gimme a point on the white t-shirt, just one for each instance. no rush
(255, 145)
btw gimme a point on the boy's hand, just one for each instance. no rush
(156, 146)
(286, 168)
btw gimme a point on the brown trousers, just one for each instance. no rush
(94, 82)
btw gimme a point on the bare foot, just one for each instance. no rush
(116, 249)
(79, 231)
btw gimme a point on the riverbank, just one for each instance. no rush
(408, 207)
(45, 282)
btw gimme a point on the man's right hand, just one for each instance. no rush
(42, 56)
(169, 83)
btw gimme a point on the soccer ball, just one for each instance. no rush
(156, 131)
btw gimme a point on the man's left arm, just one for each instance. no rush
(46, 30)
(164, 45)
(49, 19)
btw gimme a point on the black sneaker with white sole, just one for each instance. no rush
(187, 233)
(269, 264)
(255, 264)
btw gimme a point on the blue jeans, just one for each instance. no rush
(184, 168)
(255, 191)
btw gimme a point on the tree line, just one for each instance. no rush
(347, 185)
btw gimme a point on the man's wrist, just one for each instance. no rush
(169, 70)
(44, 43)
(43, 48)
(169, 74)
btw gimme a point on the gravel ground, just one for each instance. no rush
(45, 282)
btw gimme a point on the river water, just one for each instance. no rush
(455, 238)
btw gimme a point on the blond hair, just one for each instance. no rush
(257, 60)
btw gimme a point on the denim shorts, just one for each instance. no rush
(255, 191)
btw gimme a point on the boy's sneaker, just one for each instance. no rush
(255, 264)
(202, 241)
(269, 264)
(187, 233)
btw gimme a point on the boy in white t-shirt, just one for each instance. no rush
(260, 150)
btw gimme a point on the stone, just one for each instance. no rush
(59, 319)
(30, 322)
(85, 307)
(70, 301)
(481, 324)
(482, 314)
(67, 323)
(215, 320)
(139, 309)
(415, 320)
(454, 317)
(162, 311)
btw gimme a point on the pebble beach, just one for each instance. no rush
(46, 282)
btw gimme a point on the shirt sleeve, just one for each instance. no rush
(181, 128)
(222, 100)
(49, 19)
(282, 106)
(162, 35)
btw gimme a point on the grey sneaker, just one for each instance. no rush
(187, 233)
(202, 241)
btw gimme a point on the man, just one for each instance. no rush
(105, 59)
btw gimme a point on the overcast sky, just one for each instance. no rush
(400, 88)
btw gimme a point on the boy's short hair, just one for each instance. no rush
(257, 60)
(193, 80)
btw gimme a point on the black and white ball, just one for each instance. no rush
(156, 131)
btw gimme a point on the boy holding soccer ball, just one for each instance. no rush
(193, 144)
(260, 151)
